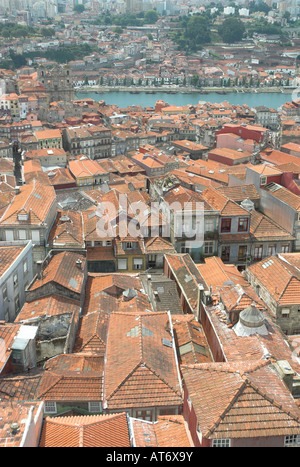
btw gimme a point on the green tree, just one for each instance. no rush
(231, 30)
(151, 16)
(79, 8)
(197, 30)
(47, 32)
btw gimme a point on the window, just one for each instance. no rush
(17, 356)
(50, 407)
(285, 312)
(137, 263)
(23, 216)
(128, 245)
(25, 267)
(263, 180)
(208, 248)
(163, 412)
(243, 224)
(95, 407)
(9, 235)
(242, 253)
(35, 235)
(209, 225)
(4, 293)
(144, 414)
(185, 249)
(271, 250)
(221, 443)
(225, 253)
(292, 440)
(122, 263)
(15, 280)
(17, 305)
(258, 251)
(285, 248)
(226, 225)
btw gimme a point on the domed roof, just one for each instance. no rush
(251, 321)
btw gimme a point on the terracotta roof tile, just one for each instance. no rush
(67, 229)
(8, 254)
(86, 431)
(15, 412)
(216, 273)
(63, 270)
(250, 394)
(92, 333)
(141, 370)
(67, 386)
(279, 275)
(168, 431)
(35, 200)
(21, 387)
(224, 205)
(52, 305)
(264, 228)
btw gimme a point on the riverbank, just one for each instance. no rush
(181, 90)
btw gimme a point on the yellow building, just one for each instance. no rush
(49, 139)
(130, 254)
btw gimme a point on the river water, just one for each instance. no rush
(125, 99)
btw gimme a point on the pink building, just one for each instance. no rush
(232, 141)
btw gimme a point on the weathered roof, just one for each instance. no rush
(141, 368)
(241, 400)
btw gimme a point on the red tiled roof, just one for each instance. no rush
(169, 431)
(8, 254)
(86, 431)
(63, 270)
(251, 394)
(140, 371)
(281, 276)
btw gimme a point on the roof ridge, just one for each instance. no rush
(58, 379)
(161, 379)
(228, 407)
(123, 381)
(271, 400)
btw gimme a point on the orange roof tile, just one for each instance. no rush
(169, 431)
(281, 276)
(62, 269)
(86, 431)
(140, 370)
(34, 199)
(243, 391)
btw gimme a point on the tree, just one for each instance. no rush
(231, 30)
(47, 32)
(79, 8)
(197, 30)
(151, 16)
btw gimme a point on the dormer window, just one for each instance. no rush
(23, 216)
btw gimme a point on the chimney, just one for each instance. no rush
(200, 299)
(14, 428)
(78, 263)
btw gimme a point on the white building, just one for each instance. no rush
(16, 272)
